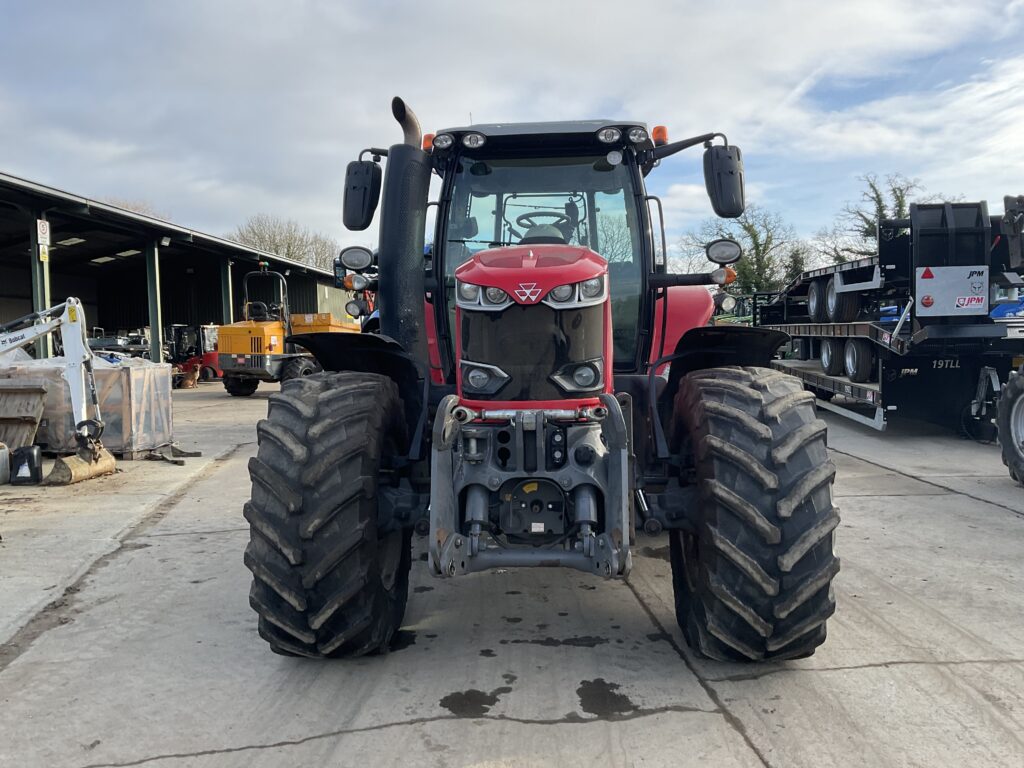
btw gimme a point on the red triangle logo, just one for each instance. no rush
(927, 274)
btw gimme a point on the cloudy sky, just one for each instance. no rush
(212, 111)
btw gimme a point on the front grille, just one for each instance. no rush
(530, 344)
(256, 345)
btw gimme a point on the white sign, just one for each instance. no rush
(43, 231)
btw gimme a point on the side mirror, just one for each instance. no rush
(362, 192)
(723, 177)
(723, 251)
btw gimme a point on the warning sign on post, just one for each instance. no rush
(44, 252)
(43, 232)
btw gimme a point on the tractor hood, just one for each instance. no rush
(527, 273)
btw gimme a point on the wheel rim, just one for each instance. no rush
(1017, 425)
(813, 300)
(850, 357)
(830, 297)
(826, 354)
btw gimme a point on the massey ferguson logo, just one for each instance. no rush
(528, 292)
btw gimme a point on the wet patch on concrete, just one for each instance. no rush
(421, 590)
(513, 592)
(601, 698)
(581, 641)
(487, 653)
(509, 678)
(542, 626)
(402, 639)
(659, 553)
(563, 613)
(656, 637)
(512, 619)
(472, 702)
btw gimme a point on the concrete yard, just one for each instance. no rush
(126, 637)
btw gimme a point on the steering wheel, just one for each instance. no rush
(527, 219)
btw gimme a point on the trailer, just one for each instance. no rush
(910, 330)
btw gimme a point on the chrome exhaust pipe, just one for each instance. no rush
(407, 119)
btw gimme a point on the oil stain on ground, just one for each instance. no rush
(601, 698)
(581, 641)
(660, 553)
(473, 702)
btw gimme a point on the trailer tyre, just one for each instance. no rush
(327, 582)
(832, 356)
(858, 360)
(240, 387)
(1010, 420)
(840, 307)
(753, 581)
(816, 302)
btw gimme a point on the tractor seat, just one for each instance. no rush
(543, 234)
(258, 311)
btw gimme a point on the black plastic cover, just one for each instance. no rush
(723, 176)
(362, 192)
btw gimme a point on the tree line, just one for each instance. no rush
(774, 254)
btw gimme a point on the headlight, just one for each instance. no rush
(469, 292)
(354, 309)
(473, 140)
(592, 288)
(477, 378)
(609, 135)
(443, 141)
(728, 303)
(638, 134)
(496, 296)
(584, 377)
(563, 292)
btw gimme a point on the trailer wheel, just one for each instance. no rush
(840, 307)
(816, 302)
(327, 582)
(240, 387)
(858, 360)
(832, 356)
(753, 580)
(1010, 420)
(298, 367)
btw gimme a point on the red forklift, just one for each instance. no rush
(540, 389)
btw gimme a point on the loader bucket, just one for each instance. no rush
(87, 463)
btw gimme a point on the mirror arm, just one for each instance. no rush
(658, 280)
(377, 153)
(665, 150)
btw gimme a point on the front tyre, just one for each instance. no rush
(237, 386)
(298, 367)
(326, 580)
(754, 580)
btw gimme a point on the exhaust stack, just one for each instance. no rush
(402, 222)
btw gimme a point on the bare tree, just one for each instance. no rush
(854, 233)
(143, 207)
(773, 254)
(287, 238)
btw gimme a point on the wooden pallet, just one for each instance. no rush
(21, 408)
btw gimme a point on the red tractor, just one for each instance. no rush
(540, 388)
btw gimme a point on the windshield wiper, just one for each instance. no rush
(492, 243)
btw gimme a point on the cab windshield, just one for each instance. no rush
(584, 200)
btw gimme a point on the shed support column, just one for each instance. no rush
(40, 270)
(156, 323)
(226, 292)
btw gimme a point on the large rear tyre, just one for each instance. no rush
(239, 387)
(816, 302)
(754, 581)
(326, 580)
(297, 367)
(1010, 420)
(840, 307)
